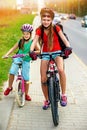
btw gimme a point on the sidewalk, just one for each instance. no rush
(72, 117)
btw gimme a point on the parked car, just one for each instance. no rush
(72, 16)
(84, 21)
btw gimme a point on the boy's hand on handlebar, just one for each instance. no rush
(67, 51)
(33, 55)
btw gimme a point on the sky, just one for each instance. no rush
(14, 3)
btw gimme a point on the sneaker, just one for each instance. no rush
(27, 97)
(46, 105)
(7, 91)
(63, 101)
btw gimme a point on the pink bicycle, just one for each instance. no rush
(20, 89)
(20, 93)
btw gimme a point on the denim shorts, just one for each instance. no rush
(47, 57)
(25, 68)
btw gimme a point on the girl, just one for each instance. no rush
(49, 43)
(24, 48)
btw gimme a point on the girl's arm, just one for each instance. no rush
(11, 50)
(64, 39)
(37, 48)
(34, 43)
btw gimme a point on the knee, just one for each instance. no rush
(43, 81)
(61, 71)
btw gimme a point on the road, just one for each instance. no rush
(78, 38)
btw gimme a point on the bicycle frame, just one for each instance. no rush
(19, 77)
(20, 93)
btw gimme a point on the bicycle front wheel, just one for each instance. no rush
(54, 103)
(20, 96)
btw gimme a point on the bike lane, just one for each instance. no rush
(72, 117)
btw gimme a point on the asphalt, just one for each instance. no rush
(33, 117)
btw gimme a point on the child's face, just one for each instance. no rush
(26, 35)
(46, 20)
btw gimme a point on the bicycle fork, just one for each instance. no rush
(20, 78)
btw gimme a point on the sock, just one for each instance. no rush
(63, 95)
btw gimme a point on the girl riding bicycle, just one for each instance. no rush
(50, 44)
(24, 48)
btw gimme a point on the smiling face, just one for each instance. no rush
(46, 20)
(26, 35)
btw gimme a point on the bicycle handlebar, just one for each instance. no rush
(16, 56)
(51, 54)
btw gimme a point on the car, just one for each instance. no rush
(72, 16)
(64, 16)
(56, 19)
(84, 21)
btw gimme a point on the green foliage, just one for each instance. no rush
(78, 7)
(9, 34)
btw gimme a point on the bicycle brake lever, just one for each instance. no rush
(62, 54)
(40, 56)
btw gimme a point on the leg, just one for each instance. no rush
(27, 97)
(43, 70)
(26, 87)
(11, 79)
(10, 82)
(62, 76)
(13, 71)
(26, 77)
(60, 66)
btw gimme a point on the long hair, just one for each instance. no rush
(22, 41)
(50, 36)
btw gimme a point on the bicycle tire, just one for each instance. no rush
(20, 96)
(57, 89)
(54, 103)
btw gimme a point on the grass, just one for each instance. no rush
(10, 24)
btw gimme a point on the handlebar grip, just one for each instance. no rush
(18, 55)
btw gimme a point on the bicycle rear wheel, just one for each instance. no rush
(54, 103)
(20, 96)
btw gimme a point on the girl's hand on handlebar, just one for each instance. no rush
(5, 57)
(67, 51)
(33, 55)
